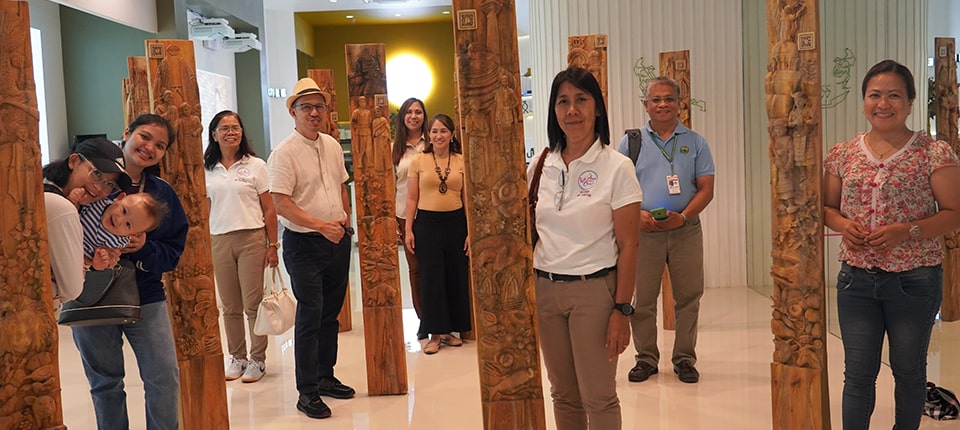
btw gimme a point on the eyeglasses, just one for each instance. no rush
(558, 198)
(97, 176)
(307, 108)
(230, 129)
(667, 100)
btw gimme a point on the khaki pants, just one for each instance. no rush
(573, 318)
(238, 262)
(682, 250)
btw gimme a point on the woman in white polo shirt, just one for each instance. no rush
(243, 235)
(585, 259)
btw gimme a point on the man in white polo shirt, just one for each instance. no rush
(307, 182)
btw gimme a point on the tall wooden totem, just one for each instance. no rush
(174, 95)
(945, 90)
(376, 219)
(589, 52)
(792, 86)
(501, 260)
(29, 367)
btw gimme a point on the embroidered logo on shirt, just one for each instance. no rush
(684, 149)
(586, 181)
(243, 172)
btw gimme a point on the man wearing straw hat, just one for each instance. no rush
(307, 182)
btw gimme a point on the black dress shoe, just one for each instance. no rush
(641, 372)
(686, 372)
(332, 387)
(312, 405)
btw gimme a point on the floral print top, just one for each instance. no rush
(876, 193)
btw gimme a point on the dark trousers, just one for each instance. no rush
(444, 271)
(319, 270)
(902, 305)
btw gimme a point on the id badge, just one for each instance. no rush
(673, 184)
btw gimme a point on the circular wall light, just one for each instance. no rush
(408, 76)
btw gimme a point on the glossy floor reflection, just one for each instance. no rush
(735, 350)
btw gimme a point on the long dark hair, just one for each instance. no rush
(213, 154)
(400, 143)
(157, 120)
(890, 66)
(585, 81)
(455, 146)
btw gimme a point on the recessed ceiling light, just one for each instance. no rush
(349, 16)
(333, 1)
(396, 14)
(446, 12)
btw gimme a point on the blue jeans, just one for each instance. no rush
(101, 351)
(318, 270)
(903, 306)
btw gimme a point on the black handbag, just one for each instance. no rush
(109, 296)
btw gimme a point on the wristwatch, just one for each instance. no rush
(274, 244)
(914, 231)
(624, 308)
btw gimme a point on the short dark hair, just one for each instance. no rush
(445, 119)
(213, 154)
(583, 80)
(890, 66)
(661, 80)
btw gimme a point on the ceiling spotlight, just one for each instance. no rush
(446, 12)
(396, 14)
(349, 16)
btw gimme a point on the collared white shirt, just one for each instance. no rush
(312, 173)
(575, 209)
(235, 195)
(402, 180)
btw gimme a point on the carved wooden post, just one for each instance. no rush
(376, 219)
(501, 266)
(589, 52)
(792, 84)
(947, 116)
(190, 289)
(136, 99)
(29, 367)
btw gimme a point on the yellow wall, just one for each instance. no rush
(432, 42)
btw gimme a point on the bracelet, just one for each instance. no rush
(274, 244)
(685, 220)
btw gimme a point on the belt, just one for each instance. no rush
(567, 278)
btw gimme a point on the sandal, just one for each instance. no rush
(432, 347)
(451, 340)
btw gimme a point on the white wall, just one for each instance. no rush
(45, 16)
(281, 70)
(712, 32)
(139, 14)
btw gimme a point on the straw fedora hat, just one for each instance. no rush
(304, 87)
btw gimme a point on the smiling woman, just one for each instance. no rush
(408, 76)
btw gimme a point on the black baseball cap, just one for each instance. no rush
(106, 156)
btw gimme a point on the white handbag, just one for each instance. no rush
(278, 309)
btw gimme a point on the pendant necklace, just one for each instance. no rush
(446, 172)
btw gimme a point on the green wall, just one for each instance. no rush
(95, 54)
(432, 42)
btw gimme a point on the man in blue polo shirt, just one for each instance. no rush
(676, 173)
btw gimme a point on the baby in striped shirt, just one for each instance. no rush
(110, 222)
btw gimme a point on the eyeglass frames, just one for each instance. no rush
(97, 176)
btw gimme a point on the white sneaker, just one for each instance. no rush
(254, 372)
(235, 368)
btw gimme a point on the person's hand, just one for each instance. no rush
(399, 231)
(408, 242)
(466, 246)
(333, 231)
(76, 195)
(888, 236)
(105, 257)
(618, 334)
(854, 236)
(136, 242)
(271, 259)
(673, 221)
(647, 223)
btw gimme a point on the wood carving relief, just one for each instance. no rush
(500, 254)
(948, 114)
(324, 79)
(191, 297)
(376, 219)
(792, 86)
(136, 96)
(676, 65)
(29, 367)
(589, 52)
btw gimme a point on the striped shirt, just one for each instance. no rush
(94, 234)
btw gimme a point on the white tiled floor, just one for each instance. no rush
(735, 350)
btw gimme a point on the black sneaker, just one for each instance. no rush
(686, 372)
(332, 387)
(312, 405)
(641, 372)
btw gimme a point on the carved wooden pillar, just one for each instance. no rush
(947, 116)
(324, 79)
(376, 219)
(792, 84)
(136, 100)
(501, 265)
(29, 367)
(171, 74)
(589, 52)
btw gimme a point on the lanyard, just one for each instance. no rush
(673, 151)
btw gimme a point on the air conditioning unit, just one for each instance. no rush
(241, 42)
(210, 29)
